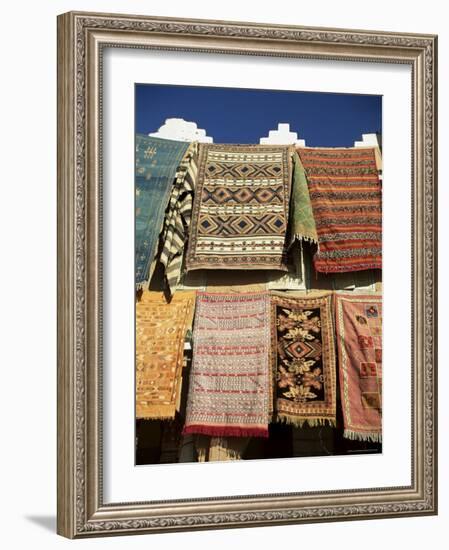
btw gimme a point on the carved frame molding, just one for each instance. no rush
(81, 39)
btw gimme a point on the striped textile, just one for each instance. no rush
(230, 390)
(345, 191)
(241, 206)
(177, 220)
(156, 162)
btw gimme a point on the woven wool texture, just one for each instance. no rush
(230, 381)
(241, 207)
(157, 161)
(160, 333)
(303, 359)
(345, 191)
(302, 222)
(177, 220)
(359, 339)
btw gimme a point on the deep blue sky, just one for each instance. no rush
(233, 115)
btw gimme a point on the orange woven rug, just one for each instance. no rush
(160, 333)
(345, 192)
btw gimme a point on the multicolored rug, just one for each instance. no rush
(177, 220)
(157, 161)
(230, 381)
(359, 339)
(302, 222)
(160, 333)
(303, 358)
(346, 198)
(241, 207)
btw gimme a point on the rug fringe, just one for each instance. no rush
(156, 417)
(298, 422)
(233, 454)
(374, 437)
(301, 238)
(143, 285)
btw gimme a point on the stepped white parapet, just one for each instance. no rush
(282, 136)
(368, 140)
(181, 130)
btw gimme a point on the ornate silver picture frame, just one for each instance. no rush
(82, 38)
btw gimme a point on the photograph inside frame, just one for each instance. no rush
(258, 274)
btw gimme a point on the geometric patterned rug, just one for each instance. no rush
(160, 333)
(240, 210)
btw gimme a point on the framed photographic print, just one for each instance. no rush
(247, 274)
